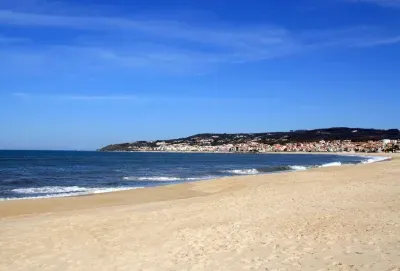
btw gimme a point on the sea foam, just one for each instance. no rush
(373, 159)
(151, 178)
(62, 191)
(49, 189)
(250, 171)
(333, 164)
(298, 167)
(164, 178)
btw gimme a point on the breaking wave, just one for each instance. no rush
(254, 171)
(49, 190)
(373, 159)
(154, 178)
(333, 164)
(298, 167)
(250, 171)
(164, 178)
(61, 191)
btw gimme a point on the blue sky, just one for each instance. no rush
(84, 74)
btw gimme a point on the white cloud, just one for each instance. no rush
(9, 17)
(77, 97)
(232, 38)
(97, 98)
(382, 41)
(166, 45)
(21, 95)
(361, 36)
(4, 40)
(387, 3)
(101, 43)
(141, 99)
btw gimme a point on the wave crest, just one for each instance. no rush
(298, 167)
(164, 178)
(152, 178)
(62, 191)
(49, 189)
(333, 164)
(254, 171)
(373, 159)
(250, 171)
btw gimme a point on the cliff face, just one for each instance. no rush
(328, 134)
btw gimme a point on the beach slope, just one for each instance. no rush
(335, 218)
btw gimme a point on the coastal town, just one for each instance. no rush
(256, 147)
(321, 140)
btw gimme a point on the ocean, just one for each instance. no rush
(41, 174)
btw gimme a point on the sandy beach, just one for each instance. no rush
(334, 218)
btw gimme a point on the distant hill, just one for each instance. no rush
(294, 136)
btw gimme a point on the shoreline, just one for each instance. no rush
(109, 198)
(333, 218)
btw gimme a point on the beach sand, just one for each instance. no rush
(336, 218)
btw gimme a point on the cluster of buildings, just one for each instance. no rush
(385, 145)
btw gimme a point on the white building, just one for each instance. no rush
(386, 141)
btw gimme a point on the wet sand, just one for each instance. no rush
(335, 218)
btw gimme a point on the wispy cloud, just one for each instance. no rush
(10, 17)
(77, 97)
(382, 41)
(165, 45)
(21, 95)
(4, 40)
(386, 3)
(361, 36)
(98, 98)
(99, 43)
(168, 46)
(142, 99)
(232, 36)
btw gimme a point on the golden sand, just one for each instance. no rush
(337, 218)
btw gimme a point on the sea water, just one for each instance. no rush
(39, 174)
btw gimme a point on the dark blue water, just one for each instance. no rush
(26, 174)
